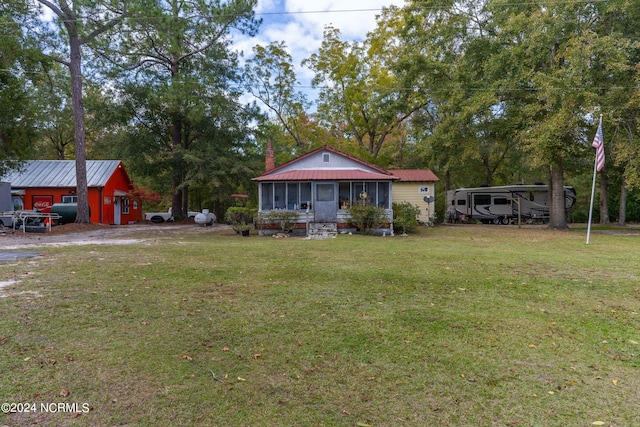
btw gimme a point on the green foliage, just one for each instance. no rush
(405, 217)
(239, 217)
(367, 218)
(20, 72)
(359, 95)
(185, 124)
(286, 220)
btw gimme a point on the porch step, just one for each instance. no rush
(323, 230)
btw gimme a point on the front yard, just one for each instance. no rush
(458, 326)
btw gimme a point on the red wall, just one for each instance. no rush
(101, 200)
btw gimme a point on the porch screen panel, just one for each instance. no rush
(292, 196)
(267, 196)
(305, 194)
(279, 195)
(357, 187)
(344, 191)
(384, 201)
(372, 193)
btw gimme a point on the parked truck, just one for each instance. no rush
(502, 204)
(160, 217)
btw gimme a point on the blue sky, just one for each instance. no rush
(300, 24)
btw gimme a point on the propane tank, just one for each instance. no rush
(205, 218)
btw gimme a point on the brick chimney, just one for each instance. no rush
(270, 158)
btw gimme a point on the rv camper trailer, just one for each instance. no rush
(500, 205)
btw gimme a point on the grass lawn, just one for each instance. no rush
(455, 326)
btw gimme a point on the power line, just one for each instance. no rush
(434, 89)
(366, 10)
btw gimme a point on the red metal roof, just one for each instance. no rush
(414, 175)
(326, 175)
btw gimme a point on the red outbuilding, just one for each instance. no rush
(38, 184)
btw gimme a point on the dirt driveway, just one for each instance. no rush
(97, 234)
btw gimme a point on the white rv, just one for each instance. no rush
(500, 205)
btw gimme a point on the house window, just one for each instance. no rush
(125, 206)
(69, 199)
(325, 192)
(17, 202)
(325, 158)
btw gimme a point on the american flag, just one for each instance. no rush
(598, 144)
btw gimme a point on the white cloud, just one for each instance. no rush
(354, 18)
(301, 23)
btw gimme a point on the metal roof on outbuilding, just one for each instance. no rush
(60, 173)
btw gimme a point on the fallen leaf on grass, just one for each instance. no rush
(255, 356)
(597, 423)
(615, 382)
(185, 357)
(65, 393)
(241, 379)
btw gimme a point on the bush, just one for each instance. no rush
(367, 217)
(239, 217)
(286, 220)
(405, 216)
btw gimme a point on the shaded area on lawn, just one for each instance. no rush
(6, 256)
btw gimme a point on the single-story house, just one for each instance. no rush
(38, 184)
(321, 185)
(418, 187)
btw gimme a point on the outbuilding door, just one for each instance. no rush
(326, 202)
(116, 210)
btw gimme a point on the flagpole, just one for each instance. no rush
(593, 190)
(593, 186)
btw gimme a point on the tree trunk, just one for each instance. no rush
(604, 197)
(176, 142)
(622, 217)
(558, 219)
(75, 67)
